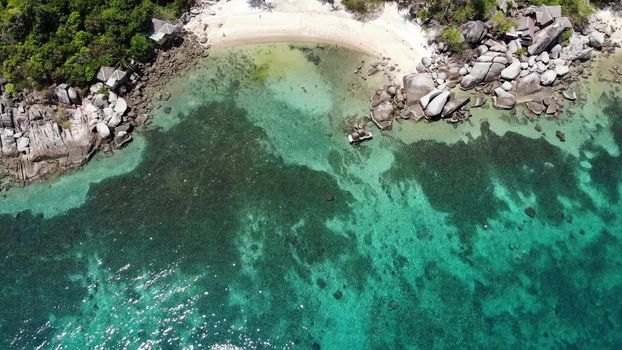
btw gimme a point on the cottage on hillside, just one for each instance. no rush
(111, 77)
(162, 31)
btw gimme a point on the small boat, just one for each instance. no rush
(359, 135)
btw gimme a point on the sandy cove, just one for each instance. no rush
(389, 34)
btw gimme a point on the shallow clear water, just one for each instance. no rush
(214, 229)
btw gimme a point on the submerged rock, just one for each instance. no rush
(531, 212)
(504, 99)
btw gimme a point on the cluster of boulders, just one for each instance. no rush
(532, 64)
(168, 64)
(39, 138)
(424, 95)
(532, 73)
(44, 135)
(106, 115)
(201, 7)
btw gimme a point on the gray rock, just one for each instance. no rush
(504, 99)
(468, 82)
(114, 120)
(73, 96)
(382, 115)
(531, 61)
(463, 71)
(62, 95)
(511, 72)
(541, 67)
(482, 49)
(494, 72)
(22, 144)
(96, 88)
(528, 84)
(551, 109)
(417, 112)
(100, 101)
(574, 54)
(425, 100)
(548, 78)
(513, 46)
(480, 101)
(597, 39)
(454, 105)
(435, 107)
(570, 95)
(474, 32)
(102, 130)
(536, 107)
(555, 51)
(502, 60)
(507, 86)
(426, 61)
(416, 86)
(544, 38)
(499, 47)
(562, 70)
(421, 68)
(543, 57)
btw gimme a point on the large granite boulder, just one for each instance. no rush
(494, 72)
(435, 107)
(62, 95)
(473, 32)
(548, 36)
(417, 85)
(511, 72)
(425, 100)
(504, 99)
(102, 130)
(528, 84)
(597, 39)
(454, 105)
(548, 78)
(382, 115)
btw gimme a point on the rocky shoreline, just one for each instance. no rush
(506, 69)
(45, 134)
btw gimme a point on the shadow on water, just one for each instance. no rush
(460, 179)
(182, 206)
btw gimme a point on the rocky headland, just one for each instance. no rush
(534, 65)
(44, 134)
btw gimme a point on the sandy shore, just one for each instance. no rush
(388, 34)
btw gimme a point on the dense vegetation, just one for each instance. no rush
(456, 12)
(453, 13)
(44, 41)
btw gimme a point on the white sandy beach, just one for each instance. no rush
(388, 34)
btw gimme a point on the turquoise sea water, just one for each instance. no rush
(213, 230)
